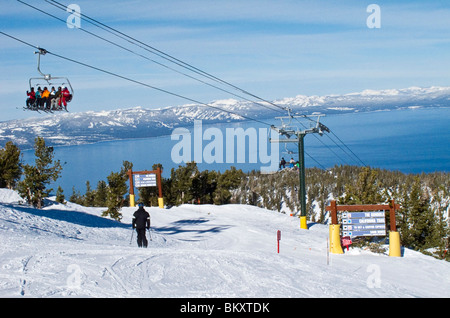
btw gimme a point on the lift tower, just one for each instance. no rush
(286, 131)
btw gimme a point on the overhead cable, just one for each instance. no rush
(135, 81)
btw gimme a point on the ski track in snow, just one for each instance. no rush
(196, 252)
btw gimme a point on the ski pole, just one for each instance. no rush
(149, 225)
(132, 233)
(149, 234)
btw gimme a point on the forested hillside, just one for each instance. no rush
(423, 219)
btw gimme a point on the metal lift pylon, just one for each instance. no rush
(287, 130)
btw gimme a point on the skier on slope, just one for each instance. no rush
(141, 221)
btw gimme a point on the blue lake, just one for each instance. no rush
(411, 141)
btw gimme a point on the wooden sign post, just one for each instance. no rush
(145, 179)
(394, 236)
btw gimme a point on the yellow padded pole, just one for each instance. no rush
(394, 244)
(161, 203)
(303, 224)
(132, 201)
(335, 239)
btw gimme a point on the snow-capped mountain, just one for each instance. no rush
(138, 122)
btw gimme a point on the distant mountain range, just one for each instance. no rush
(89, 127)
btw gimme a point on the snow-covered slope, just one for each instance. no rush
(138, 122)
(196, 251)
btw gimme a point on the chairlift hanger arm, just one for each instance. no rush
(47, 77)
(39, 53)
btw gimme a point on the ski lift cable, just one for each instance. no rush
(319, 139)
(348, 148)
(335, 153)
(352, 155)
(143, 84)
(149, 59)
(179, 62)
(355, 157)
(160, 53)
(136, 81)
(315, 161)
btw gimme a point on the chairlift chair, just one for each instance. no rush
(48, 81)
(289, 152)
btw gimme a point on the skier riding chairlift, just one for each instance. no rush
(35, 102)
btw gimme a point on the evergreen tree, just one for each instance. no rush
(182, 179)
(89, 196)
(76, 197)
(170, 196)
(148, 196)
(100, 194)
(117, 189)
(10, 165)
(60, 195)
(227, 181)
(366, 190)
(418, 220)
(204, 184)
(323, 200)
(441, 233)
(34, 186)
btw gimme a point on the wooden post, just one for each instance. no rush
(394, 236)
(333, 211)
(392, 209)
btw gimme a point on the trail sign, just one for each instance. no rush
(145, 180)
(359, 228)
(363, 224)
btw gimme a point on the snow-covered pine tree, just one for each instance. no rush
(34, 185)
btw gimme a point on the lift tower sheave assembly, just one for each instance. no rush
(286, 131)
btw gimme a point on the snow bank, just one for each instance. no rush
(9, 196)
(195, 252)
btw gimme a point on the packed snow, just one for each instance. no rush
(195, 251)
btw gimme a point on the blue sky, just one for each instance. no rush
(273, 49)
